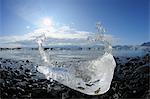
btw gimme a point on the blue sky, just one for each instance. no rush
(127, 20)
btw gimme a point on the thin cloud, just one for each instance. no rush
(64, 32)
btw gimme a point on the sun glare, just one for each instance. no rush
(46, 22)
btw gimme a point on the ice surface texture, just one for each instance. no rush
(91, 77)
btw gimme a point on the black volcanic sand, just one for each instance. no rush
(131, 80)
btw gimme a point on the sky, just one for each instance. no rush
(127, 21)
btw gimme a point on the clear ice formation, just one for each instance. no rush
(92, 77)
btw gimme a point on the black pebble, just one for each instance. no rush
(27, 61)
(27, 70)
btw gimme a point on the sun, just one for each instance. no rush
(47, 22)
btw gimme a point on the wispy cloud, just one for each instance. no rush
(64, 32)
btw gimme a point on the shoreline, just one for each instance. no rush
(131, 80)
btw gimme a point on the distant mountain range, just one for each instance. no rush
(146, 44)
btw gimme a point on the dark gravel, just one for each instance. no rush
(17, 80)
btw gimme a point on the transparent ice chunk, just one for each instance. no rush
(78, 71)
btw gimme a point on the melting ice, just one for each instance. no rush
(89, 76)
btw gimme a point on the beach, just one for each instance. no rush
(130, 80)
